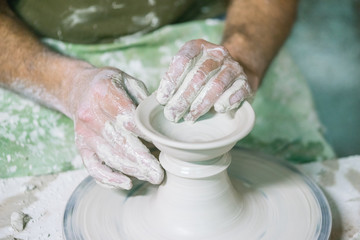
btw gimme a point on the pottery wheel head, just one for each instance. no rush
(212, 135)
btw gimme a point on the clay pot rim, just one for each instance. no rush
(151, 104)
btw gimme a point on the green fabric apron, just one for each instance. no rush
(35, 140)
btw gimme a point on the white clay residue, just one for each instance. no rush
(19, 220)
(149, 19)
(169, 85)
(240, 89)
(80, 16)
(178, 105)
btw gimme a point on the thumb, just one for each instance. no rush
(135, 88)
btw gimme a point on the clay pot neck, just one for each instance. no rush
(194, 169)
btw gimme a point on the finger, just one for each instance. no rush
(178, 69)
(126, 153)
(123, 153)
(126, 122)
(234, 96)
(194, 81)
(213, 89)
(102, 173)
(134, 87)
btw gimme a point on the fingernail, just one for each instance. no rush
(237, 97)
(191, 117)
(104, 185)
(220, 108)
(156, 176)
(188, 117)
(126, 186)
(171, 115)
(124, 183)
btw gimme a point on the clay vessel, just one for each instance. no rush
(197, 199)
(263, 198)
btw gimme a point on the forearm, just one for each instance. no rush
(30, 68)
(254, 32)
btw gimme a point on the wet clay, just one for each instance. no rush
(202, 197)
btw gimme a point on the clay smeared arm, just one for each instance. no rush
(203, 75)
(30, 68)
(254, 32)
(101, 102)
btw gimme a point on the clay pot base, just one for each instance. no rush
(277, 202)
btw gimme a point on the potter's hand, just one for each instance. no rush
(106, 134)
(200, 76)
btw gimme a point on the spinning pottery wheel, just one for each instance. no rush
(202, 197)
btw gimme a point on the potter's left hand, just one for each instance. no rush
(103, 109)
(200, 76)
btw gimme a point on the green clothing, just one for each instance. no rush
(91, 21)
(35, 140)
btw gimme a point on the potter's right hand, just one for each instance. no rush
(202, 75)
(102, 107)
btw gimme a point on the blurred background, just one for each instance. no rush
(325, 44)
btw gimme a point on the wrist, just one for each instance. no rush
(254, 75)
(240, 51)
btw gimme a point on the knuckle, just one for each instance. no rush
(202, 41)
(222, 48)
(85, 114)
(197, 41)
(217, 51)
(187, 47)
(218, 90)
(219, 86)
(99, 88)
(234, 66)
(126, 122)
(191, 42)
(192, 45)
(180, 61)
(107, 73)
(130, 126)
(225, 50)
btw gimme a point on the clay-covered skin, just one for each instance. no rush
(33, 70)
(200, 76)
(106, 135)
(92, 20)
